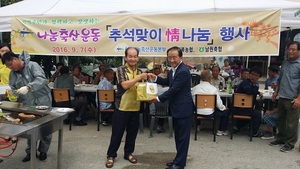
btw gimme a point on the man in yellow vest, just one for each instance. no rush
(127, 108)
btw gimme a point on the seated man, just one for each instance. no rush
(271, 111)
(250, 87)
(238, 80)
(100, 74)
(270, 118)
(105, 84)
(271, 82)
(217, 80)
(67, 81)
(273, 77)
(57, 72)
(79, 78)
(221, 111)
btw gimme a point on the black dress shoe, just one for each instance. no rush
(43, 156)
(175, 167)
(169, 164)
(27, 158)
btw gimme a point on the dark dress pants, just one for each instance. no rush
(182, 130)
(256, 119)
(287, 122)
(121, 121)
(224, 118)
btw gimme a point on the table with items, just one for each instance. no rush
(266, 95)
(33, 122)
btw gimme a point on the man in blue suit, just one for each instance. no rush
(180, 104)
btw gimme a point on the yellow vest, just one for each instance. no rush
(4, 74)
(128, 99)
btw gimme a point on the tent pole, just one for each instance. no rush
(247, 62)
(1, 39)
(57, 58)
(269, 62)
(153, 65)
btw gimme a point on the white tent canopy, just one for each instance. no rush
(290, 18)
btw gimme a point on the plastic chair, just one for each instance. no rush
(161, 111)
(205, 101)
(242, 101)
(104, 96)
(61, 98)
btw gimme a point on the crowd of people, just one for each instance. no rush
(27, 79)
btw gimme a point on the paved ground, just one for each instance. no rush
(84, 147)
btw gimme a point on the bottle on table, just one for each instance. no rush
(221, 86)
(229, 86)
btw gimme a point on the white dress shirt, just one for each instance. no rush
(206, 88)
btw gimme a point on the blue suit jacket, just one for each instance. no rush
(179, 93)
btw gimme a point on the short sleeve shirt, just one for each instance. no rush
(126, 99)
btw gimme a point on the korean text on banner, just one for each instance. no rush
(249, 33)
